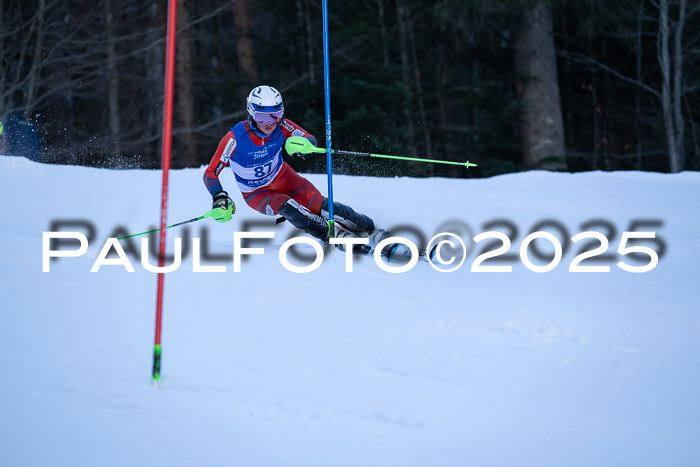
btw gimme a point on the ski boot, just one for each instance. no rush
(342, 232)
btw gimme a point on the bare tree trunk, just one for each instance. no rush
(696, 145)
(596, 122)
(675, 152)
(567, 95)
(113, 82)
(155, 66)
(639, 52)
(244, 43)
(185, 86)
(419, 92)
(32, 86)
(665, 63)
(305, 23)
(3, 60)
(443, 137)
(535, 61)
(678, 121)
(406, 72)
(383, 34)
(309, 43)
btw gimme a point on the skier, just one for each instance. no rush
(253, 150)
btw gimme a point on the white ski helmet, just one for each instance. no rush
(264, 99)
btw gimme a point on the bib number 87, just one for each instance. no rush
(262, 170)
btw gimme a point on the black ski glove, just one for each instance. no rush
(223, 207)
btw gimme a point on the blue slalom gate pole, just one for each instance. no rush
(327, 85)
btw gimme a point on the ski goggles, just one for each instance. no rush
(267, 118)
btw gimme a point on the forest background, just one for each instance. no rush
(509, 84)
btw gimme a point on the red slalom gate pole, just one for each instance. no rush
(167, 140)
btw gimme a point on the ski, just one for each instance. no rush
(399, 253)
(395, 252)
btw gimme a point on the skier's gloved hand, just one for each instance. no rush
(299, 155)
(223, 207)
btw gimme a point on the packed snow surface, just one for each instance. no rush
(363, 368)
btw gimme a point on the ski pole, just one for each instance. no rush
(174, 225)
(302, 145)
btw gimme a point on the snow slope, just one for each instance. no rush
(269, 367)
